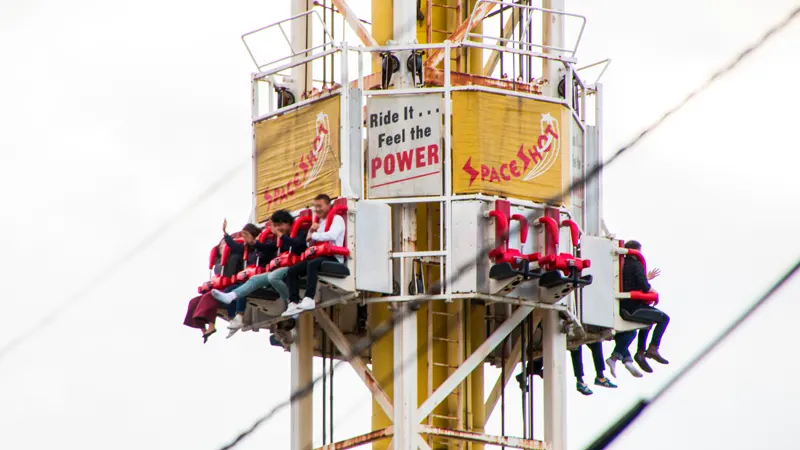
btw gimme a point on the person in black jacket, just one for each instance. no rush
(282, 221)
(634, 278)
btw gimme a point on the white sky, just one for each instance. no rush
(115, 115)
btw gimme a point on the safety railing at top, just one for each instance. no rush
(357, 56)
(527, 10)
(307, 16)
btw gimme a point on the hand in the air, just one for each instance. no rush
(653, 273)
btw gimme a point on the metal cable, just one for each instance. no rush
(120, 262)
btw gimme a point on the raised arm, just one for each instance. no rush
(234, 246)
(641, 277)
(335, 232)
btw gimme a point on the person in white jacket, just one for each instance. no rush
(310, 268)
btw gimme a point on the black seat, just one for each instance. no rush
(334, 270)
(502, 271)
(644, 315)
(555, 279)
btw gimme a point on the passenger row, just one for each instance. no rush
(290, 249)
(277, 257)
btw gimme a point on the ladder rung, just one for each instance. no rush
(442, 31)
(445, 365)
(444, 339)
(443, 313)
(444, 6)
(438, 416)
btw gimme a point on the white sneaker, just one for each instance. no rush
(231, 332)
(224, 297)
(307, 304)
(236, 323)
(292, 310)
(612, 366)
(632, 369)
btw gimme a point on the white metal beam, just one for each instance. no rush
(474, 360)
(421, 444)
(405, 380)
(554, 346)
(363, 372)
(302, 409)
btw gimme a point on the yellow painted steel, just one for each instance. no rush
(382, 368)
(475, 55)
(382, 25)
(477, 334)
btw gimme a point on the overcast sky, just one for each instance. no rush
(116, 115)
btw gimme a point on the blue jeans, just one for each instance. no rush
(623, 341)
(276, 279)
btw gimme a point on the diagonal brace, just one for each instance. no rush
(512, 361)
(356, 362)
(477, 16)
(474, 360)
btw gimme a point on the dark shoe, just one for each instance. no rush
(652, 353)
(208, 335)
(605, 382)
(583, 388)
(641, 360)
(273, 340)
(523, 386)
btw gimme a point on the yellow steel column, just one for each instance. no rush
(382, 368)
(382, 24)
(475, 55)
(476, 401)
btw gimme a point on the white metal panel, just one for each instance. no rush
(469, 232)
(577, 150)
(592, 187)
(373, 247)
(599, 304)
(355, 125)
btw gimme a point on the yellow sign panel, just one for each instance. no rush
(509, 146)
(297, 157)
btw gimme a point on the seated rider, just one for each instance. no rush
(310, 268)
(634, 278)
(202, 310)
(282, 222)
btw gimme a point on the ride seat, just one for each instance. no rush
(562, 270)
(510, 262)
(330, 270)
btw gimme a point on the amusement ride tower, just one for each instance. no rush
(447, 134)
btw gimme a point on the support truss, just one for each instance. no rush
(363, 372)
(474, 360)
